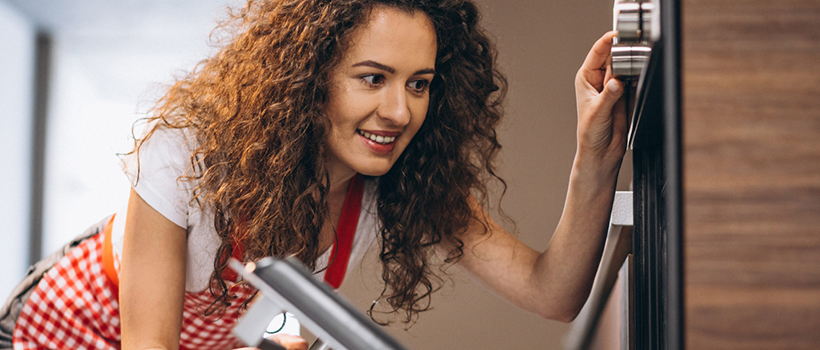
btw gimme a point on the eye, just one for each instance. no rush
(373, 79)
(419, 86)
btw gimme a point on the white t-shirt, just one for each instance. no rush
(163, 158)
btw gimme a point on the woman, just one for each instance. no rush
(322, 126)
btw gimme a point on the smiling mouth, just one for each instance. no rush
(383, 140)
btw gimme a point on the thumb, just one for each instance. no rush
(613, 90)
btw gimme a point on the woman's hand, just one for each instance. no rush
(290, 342)
(602, 119)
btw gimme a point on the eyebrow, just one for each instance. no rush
(391, 70)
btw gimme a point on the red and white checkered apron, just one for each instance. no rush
(75, 306)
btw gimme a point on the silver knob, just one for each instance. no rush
(637, 30)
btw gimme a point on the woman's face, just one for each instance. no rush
(379, 94)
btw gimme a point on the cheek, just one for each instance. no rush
(350, 109)
(340, 119)
(339, 107)
(420, 113)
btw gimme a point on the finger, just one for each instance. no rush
(290, 342)
(608, 74)
(598, 55)
(596, 68)
(609, 96)
(268, 344)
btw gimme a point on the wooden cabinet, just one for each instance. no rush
(751, 171)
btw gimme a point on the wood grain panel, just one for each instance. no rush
(751, 116)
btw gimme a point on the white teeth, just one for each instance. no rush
(377, 138)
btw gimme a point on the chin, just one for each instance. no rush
(374, 172)
(377, 168)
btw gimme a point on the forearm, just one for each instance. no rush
(567, 268)
(555, 283)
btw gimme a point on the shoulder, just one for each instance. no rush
(157, 170)
(169, 143)
(162, 148)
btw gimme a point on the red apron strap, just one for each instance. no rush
(345, 232)
(108, 255)
(339, 256)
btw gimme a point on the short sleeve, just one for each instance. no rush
(154, 172)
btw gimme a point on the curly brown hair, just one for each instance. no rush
(256, 109)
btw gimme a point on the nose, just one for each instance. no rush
(394, 107)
